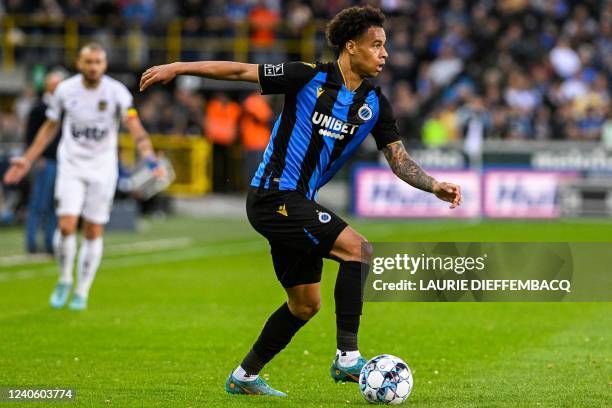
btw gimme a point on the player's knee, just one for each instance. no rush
(92, 231)
(67, 229)
(310, 309)
(91, 234)
(306, 310)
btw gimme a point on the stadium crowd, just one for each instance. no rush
(458, 70)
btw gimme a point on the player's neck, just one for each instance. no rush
(351, 79)
(90, 84)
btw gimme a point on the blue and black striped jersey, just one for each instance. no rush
(320, 127)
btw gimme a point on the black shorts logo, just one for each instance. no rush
(282, 210)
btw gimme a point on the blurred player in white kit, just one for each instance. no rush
(90, 106)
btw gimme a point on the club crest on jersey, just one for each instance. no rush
(102, 105)
(324, 217)
(273, 69)
(365, 112)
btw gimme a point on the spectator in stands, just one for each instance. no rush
(10, 128)
(191, 12)
(542, 125)
(564, 59)
(401, 56)
(405, 104)
(299, 16)
(520, 94)
(24, 103)
(254, 132)
(446, 67)
(590, 124)
(188, 112)
(221, 128)
(264, 21)
(140, 12)
(475, 122)
(41, 207)
(237, 11)
(435, 133)
(607, 130)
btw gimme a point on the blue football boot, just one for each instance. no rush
(60, 294)
(347, 374)
(78, 302)
(255, 387)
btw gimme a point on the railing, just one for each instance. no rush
(134, 48)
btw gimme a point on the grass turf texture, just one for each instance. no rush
(169, 319)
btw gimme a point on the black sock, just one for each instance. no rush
(349, 303)
(276, 334)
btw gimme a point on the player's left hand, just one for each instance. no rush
(160, 73)
(448, 192)
(20, 166)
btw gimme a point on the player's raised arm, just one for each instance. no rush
(143, 141)
(407, 169)
(20, 166)
(139, 134)
(227, 70)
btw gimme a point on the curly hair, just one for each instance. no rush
(352, 23)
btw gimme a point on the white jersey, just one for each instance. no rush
(91, 120)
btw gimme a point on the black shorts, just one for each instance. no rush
(300, 232)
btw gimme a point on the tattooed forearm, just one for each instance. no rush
(406, 169)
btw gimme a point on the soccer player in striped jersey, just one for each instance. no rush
(329, 109)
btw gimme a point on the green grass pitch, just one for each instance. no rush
(176, 306)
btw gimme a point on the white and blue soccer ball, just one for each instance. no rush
(385, 379)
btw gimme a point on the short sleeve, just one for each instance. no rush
(55, 106)
(385, 130)
(288, 77)
(125, 101)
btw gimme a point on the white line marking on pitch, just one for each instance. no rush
(27, 274)
(111, 250)
(22, 259)
(189, 254)
(146, 246)
(130, 259)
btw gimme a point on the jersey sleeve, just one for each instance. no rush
(55, 107)
(125, 102)
(288, 77)
(385, 130)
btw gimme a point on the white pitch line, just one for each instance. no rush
(27, 274)
(112, 249)
(189, 254)
(157, 258)
(146, 246)
(23, 259)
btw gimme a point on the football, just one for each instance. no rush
(385, 379)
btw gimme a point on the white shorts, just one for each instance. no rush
(79, 196)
